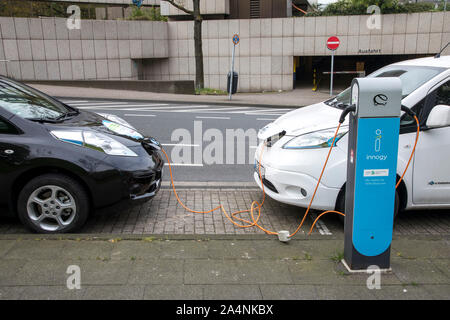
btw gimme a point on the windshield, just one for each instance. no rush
(412, 77)
(29, 104)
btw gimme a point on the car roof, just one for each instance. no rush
(442, 62)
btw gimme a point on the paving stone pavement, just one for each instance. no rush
(163, 215)
(201, 268)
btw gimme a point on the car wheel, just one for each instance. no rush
(53, 203)
(340, 205)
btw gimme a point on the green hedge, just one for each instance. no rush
(152, 14)
(359, 7)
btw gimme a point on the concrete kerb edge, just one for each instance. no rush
(159, 237)
(197, 237)
(184, 102)
(211, 185)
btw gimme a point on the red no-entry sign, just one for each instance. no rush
(333, 43)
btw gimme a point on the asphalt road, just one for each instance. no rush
(200, 129)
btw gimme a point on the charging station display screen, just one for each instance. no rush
(375, 178)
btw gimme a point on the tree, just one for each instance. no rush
(198, 19)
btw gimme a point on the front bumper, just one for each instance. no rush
(137, 181)
(296, 188)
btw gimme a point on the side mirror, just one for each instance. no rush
(439, 116)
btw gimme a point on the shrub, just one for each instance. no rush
(152, 14)
(359, 7)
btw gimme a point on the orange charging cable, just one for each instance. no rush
(396, 186)
(256, 205)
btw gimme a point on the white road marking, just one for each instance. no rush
(215, 110)
(264, 114)
(323, 230)
(185, 164)
(265, 119)
(163, 107)
(166, 106)
(219, 118)
(138, 115)
(179, 145)
(98, 104)
(144, 107)
(269, 110)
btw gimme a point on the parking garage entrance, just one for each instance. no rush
(314, 71)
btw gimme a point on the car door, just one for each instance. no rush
(431, 177)
(12, 156)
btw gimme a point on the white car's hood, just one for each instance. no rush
(315, 117)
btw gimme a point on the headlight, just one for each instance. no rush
(318, 139)
(116, 119)
(94, 140)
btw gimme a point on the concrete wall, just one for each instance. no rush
(264, 57)
(44, 49)
(206, 7)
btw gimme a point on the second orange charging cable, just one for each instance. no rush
(258, 206)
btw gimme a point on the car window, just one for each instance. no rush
(7, 128)
(27, 103)
(440, 95)
(412, 78)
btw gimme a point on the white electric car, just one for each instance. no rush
(298, 143)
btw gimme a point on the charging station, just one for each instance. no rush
(371, 172)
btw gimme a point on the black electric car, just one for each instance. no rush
(58, 164)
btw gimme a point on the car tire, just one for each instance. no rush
(340, 205)
(53, 203)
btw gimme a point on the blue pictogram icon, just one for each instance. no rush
(236, 39)
(137, 3)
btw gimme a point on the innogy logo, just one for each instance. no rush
(377, 147)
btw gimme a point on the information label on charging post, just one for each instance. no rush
(371, 172)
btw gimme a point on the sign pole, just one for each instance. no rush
(332, 69)
(232, 71)
(332, 44)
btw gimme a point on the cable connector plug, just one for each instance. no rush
(346, 112)
(408, 111)
(283, 236)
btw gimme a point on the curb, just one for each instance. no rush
(210, 185)
(196, 237)
(161, 237)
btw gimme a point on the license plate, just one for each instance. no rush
(257, 169)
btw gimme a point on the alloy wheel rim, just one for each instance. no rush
(51, 208)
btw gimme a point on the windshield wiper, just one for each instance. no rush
(49, 120)
(65, 116)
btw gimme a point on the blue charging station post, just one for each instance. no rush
(371, 172)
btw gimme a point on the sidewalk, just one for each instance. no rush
(214, 267)
(296, 98)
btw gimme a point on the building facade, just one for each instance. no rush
(272, 53)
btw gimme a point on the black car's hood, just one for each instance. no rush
(86, 120)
